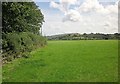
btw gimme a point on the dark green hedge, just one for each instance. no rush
(19, 44)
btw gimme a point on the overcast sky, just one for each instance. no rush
(79, 16)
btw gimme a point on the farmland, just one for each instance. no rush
(67, 61)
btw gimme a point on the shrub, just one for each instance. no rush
(13, 42)
(20, 44)
(26, 55)
(26, 42)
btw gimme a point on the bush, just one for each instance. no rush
(26, 55)
(21, 44)
(26, 42)
(13, 42)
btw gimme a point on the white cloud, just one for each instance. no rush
(54, 5)
(72, 15)
(95, 6)
(64, 5)
(107, 24)
(68, 1)
(90, 16)
(88, 6)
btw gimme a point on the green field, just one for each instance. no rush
(67, 61)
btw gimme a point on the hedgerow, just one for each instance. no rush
(20, 44)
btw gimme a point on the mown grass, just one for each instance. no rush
(67, 61)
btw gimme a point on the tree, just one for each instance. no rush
(21, 17)
(21, 23)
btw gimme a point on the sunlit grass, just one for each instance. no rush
(67, 61)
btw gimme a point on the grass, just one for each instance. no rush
(67, 61)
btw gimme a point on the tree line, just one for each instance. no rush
(21, 22)
(91, 36)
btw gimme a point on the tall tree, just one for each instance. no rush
(21, 17)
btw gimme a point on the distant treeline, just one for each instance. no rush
(91, 36)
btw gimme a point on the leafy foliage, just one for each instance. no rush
(20, 32)
(21, 43)
(21, 17)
